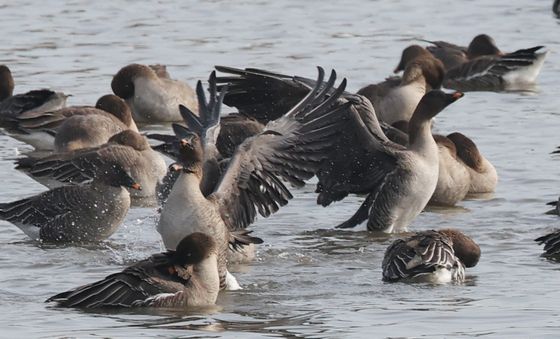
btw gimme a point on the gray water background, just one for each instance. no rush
(309, 280)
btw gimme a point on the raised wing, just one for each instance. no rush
(260, 94)
(207, 123)
(291, 147)
(363, 156)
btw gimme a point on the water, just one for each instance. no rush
(309, 280)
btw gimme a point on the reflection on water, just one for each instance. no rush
(309, 280)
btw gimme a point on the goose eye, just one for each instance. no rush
(189, 254)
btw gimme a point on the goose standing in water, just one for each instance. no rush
(185, 277)
(430, 256)
(75, 214)
(399, 181)
(291, 147)
(152, 95)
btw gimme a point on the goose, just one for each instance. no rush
(151, 94)
(483, 67)
(11, 106)
(220, 134)
(181, 278)
(454, 179)
(430, 256)
(291, 147)
(398, 180)
(396, 98)
(74, 214)
(129, 149)
(76, 127)
(484, 177)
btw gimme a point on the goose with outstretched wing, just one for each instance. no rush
(398, 180)
(291, 148)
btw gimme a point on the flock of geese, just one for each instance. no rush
(228, 169)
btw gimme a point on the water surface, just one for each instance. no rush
(309, 280)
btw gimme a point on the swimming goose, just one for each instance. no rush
(74, 214)
(151, 94)
(556, 7)
(128, 149)
(484, 177)
(291, 147)
(185, 277)
(551, 243)
(75, 127)
(11, 106)
(485, 67)
(453, 55)
(396, 98)
(430, 256)
(454, 179)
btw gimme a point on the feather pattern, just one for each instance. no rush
(292, 148)
(491, 72)
(423, 254)
(143, 284)
(34, 101)
(551, 243)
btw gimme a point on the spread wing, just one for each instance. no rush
(362, 158)
(223, 135)
(207, 123)
(421, 254)
(260, 94)
(486, 73)
(290, 148)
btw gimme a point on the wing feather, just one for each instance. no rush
(252, 182)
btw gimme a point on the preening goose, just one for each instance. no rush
(185, 277)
